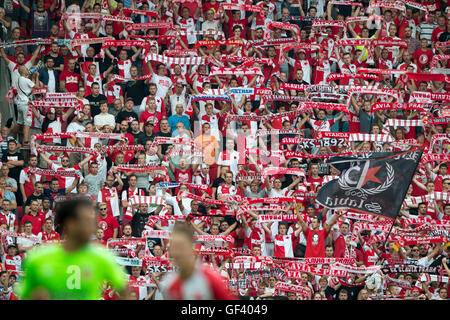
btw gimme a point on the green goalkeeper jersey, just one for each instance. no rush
(70, 275)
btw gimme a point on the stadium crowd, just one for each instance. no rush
(217, 114)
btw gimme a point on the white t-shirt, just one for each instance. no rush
(275, 194)
(67, 180)
(207, 25)
(74, 127)
(105, 119)
(14, 70)
(230, 161)
(163, 84)
(24, 86)
(174, 100)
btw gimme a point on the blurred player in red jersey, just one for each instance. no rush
(193, 281)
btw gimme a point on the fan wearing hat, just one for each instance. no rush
(148, 133)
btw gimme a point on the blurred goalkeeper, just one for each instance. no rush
(76, 268)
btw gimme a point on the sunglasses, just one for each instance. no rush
(103, 209)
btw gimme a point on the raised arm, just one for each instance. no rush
(332, 220)
(301, 222)
(230, 228)
(197, 229)
(4, 56)
(24, 7)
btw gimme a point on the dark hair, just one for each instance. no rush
(70, 209)
(27, 222)
(237, 26)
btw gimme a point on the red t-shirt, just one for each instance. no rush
(72, 79)
(108, 225)
(155, 117)
(183, 176)
(13, 263)
(313, 183)
(422, 58)
(315, 242)
(49, 236)
(436, 33)
(37, 222)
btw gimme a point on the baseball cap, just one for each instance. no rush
(149, 123)
(51, 110)
(12, 245)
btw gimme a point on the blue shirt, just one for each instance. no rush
(174, 119)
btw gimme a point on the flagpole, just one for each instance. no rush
(387, 237)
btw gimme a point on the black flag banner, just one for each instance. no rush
(374, 183)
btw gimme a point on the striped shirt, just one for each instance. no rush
(426, 29)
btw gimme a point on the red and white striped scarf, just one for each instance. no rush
(435, 157)
(127, 12)
(403, 106)
(235, 71)
(339, 76)
(149, 25)
(247, 61)
(282, 170)
(346, 3)
(400, 123)
(280, 25)
(389, 43)
(214, 238)
(180, 52)
(162, 234)
(56, 173)
(228, 42)
(154, 219)
(297, 268)
(370, 137)
(287, 287)
(381, 71)
(42, 148)
(176, 60)
(396, 5)
(430, 96)
(440, 196)
(277, 217)
(352, 269)
(316, 261)
(118, 78)
(81, 41)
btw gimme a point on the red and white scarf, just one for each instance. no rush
(176, 60)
